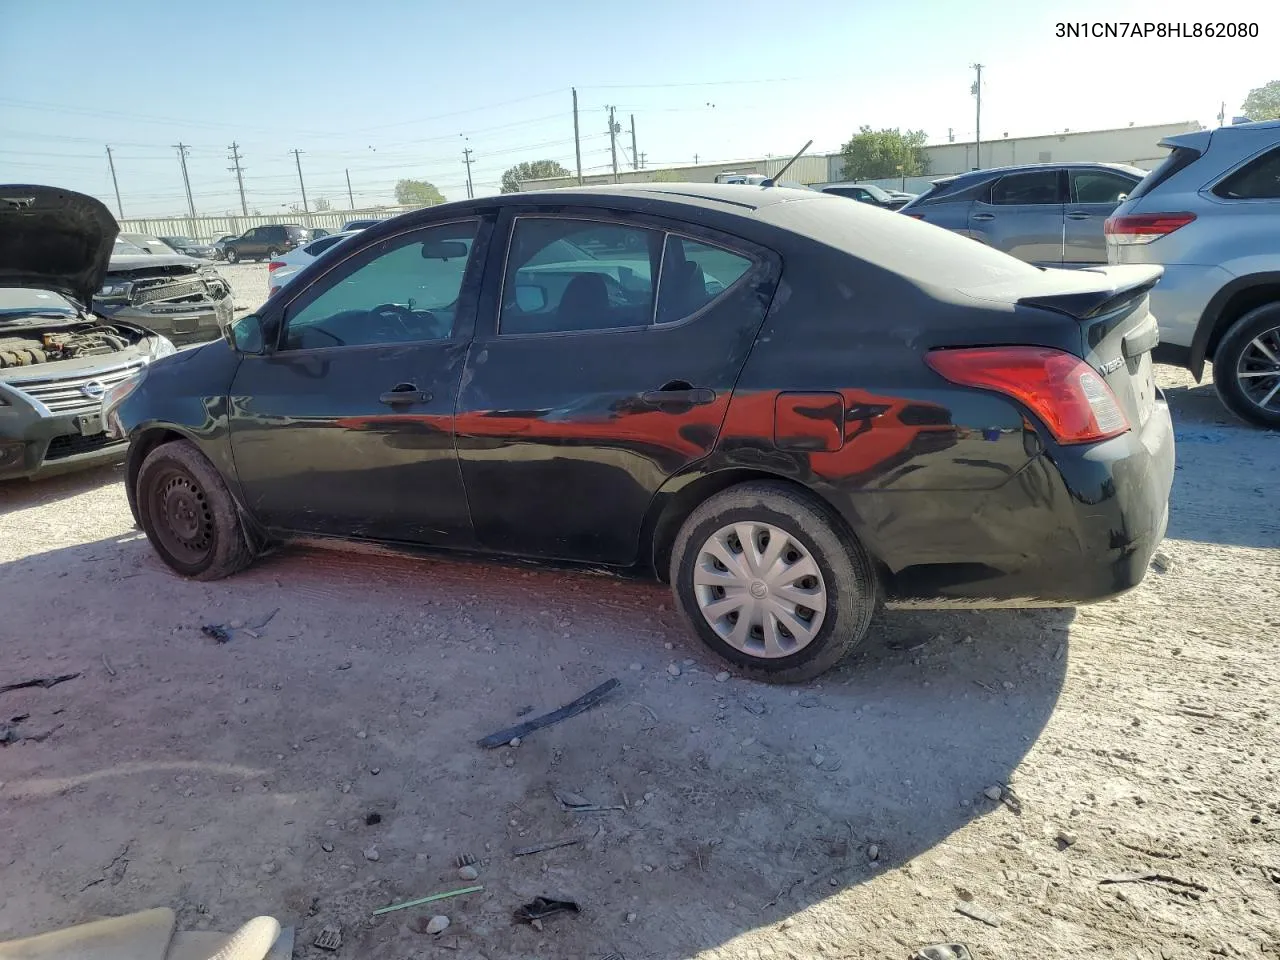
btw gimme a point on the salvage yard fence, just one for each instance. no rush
(208, 229)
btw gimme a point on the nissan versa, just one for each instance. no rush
(57, 356)
(789, 405)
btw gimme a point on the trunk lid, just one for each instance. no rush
(52, 239)
(1117, 330)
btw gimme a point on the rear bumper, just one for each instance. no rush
(1075, 526)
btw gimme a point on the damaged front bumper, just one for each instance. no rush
(185, 320)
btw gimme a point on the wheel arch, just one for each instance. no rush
(1229, 304)
(681, 495)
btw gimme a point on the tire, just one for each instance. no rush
(845, 579)
(232, 255)
(273, 254)
(1251, 346)
(189, 515)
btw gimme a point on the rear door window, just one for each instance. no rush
(1099, 186)
(1039, 186)
(1259, 179)
(575, 276)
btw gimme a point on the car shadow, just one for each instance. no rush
(26, 494)
(361, 682)
(1221, 489)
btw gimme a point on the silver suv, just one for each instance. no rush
(1210, 214)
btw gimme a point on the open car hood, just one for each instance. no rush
(54, 239)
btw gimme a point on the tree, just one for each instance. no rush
(537, 170)
(322, 205)
(879, 154)
(1263, 103)
(417, 193)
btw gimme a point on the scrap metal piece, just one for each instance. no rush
(539, 908)
(330, 938)
(584, 702)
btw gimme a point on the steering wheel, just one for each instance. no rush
(398, 313)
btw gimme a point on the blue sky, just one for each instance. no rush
(397, 88)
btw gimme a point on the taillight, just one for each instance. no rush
(913, 216)
(1143, 227)
(1066, 393)
(275, 265)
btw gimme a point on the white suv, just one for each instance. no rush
(1210, 214)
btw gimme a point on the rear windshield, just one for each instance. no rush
(1178, 159)
(921, 252)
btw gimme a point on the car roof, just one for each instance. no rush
(976, 175)
(726, 197)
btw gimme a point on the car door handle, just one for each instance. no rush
(984, 216)
(1079, 216)
(404, 393)
(681, 397)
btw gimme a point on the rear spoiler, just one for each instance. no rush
(1116, 286)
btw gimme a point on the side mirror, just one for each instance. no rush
(245, 335)
(530, 297)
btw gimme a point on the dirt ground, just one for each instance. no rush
(848, 818)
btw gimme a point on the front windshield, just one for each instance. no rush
(875, 191)
(16, 302)
(125, 248)
(180, 241)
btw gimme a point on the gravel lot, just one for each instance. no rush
(1005, 763)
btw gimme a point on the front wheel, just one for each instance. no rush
(188, 514)
(232, 255)
(772, 582)
(1246, 367)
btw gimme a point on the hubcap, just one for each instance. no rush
(760, 589)
(1259, 371)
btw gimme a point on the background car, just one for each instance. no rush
(190, 248)
(57, 359)
(147, 243)
(220, 246)
(1047, 214)
(482, 377)
(1210, 215)
(185, 299)
(265, 243)
(280, 270)
(870, 193)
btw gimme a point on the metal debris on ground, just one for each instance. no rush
(943, 951)
(1154, 878)
(539, 908)
(464, 860)
(978, 913)
(612, 956)
(265, 620)
(577, 803)
(330, 938)
(216, 632)
(106, 664)
(584, 702)
(45, 682)
(431, 899)
(540, 847)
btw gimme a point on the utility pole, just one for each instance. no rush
(577, 139)
(614, 130)
(951, 137)
(977, 126)
(642, 159)
(635, 157)
(239, 172)
(1222, 116)
(466, 158)
(297, 159)
(351, 201)
(183, 149)
(115, 183)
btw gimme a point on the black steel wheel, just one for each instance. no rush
(188, 514)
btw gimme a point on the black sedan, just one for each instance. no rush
(791, 406)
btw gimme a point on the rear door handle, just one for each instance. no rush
(1079, 216)
(404, 393)
(693, 396)
(984, 216)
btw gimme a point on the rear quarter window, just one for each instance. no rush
(1259, 179)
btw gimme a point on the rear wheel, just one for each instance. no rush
(232, 255)
(772, 582)
(1246, 367)
(273, 253)
(188, 514)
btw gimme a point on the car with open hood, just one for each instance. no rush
(181, 297)
(58, 358)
